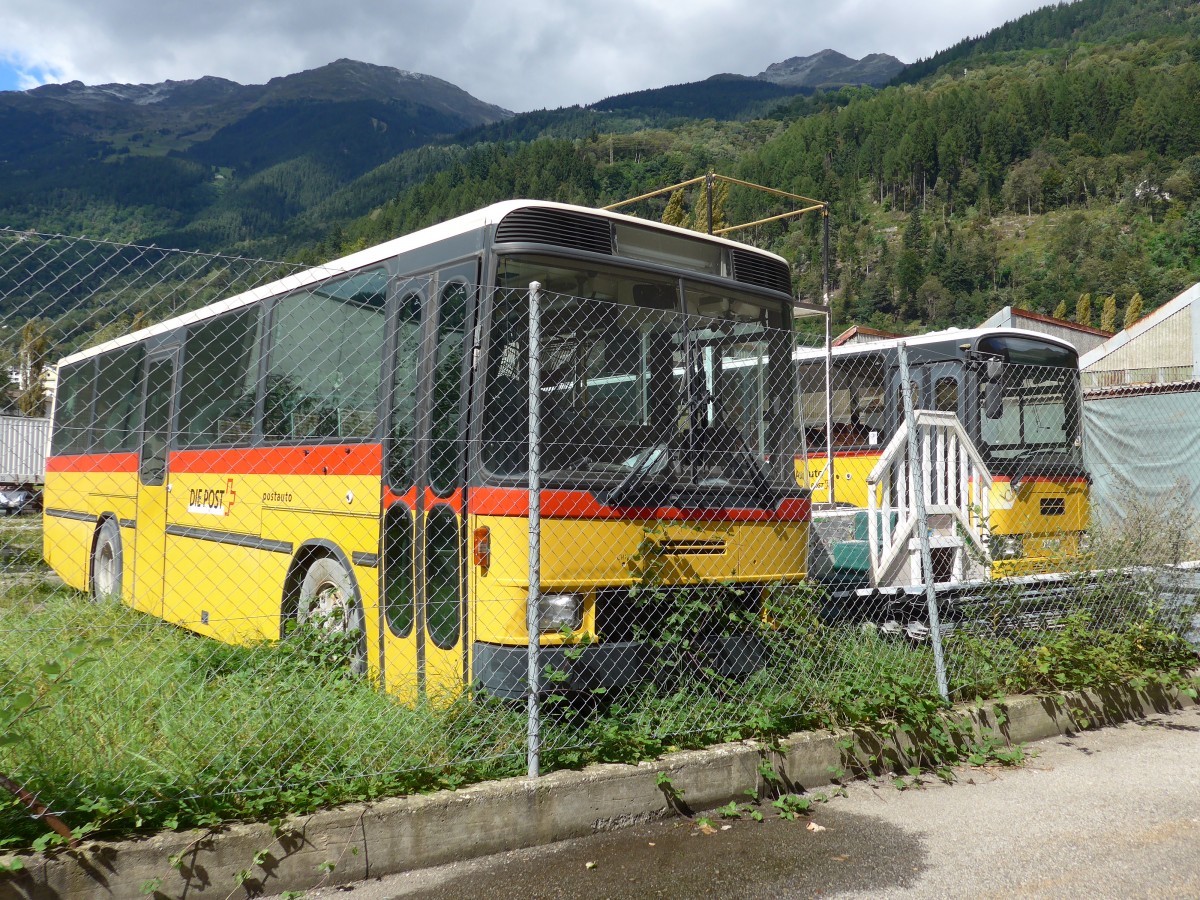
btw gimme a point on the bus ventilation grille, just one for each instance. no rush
(750, 268)
(558, 227)
(1053, 506)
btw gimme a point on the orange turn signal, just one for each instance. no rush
(482, 547)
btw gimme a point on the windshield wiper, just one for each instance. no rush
(632, 489)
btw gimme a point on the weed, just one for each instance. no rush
(789, 806)
(285, 730)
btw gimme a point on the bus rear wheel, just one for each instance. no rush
(107, 563)
(329, 604)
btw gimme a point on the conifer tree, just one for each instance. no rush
(1060, 311)
(674, 214)
(1083, 309)
(1108, 314)
(1133, 311)
(720, 193)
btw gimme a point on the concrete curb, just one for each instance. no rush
(372, 840)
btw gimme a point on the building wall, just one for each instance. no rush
(24, 443)
(1162, 349)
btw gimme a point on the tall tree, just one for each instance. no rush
(31, 366)
(1108, 314)
(1133, 311)
(1083, 310)
(720, 193)
(674, 214)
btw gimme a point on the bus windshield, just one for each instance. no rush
(649, 384)
(1035, 418)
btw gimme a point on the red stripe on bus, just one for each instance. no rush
(337, 459)
(409, 499)
(492, 501)
(94, 462)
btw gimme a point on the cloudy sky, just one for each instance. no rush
(520, 54)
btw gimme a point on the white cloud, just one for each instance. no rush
(521, 54)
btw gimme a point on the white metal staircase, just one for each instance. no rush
(956, 487)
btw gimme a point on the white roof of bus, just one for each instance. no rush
(949, 335)
(489, 215)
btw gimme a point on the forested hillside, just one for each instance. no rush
(1031, 182)
(1055, 157)
(1052, 174)
(1064, 24)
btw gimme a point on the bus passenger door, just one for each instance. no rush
(423, 627)
(157, 405)
(442, 427)
(401, 656)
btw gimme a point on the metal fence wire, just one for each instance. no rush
(295, 544)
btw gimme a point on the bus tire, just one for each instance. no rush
(329, 601)
(108, 563)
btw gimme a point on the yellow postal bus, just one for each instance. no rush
(350, 445)
(1015, 395)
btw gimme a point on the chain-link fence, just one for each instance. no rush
(292, 547)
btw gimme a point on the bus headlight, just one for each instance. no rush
(559, 611)
(1007, 546)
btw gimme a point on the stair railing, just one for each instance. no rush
(955, 480)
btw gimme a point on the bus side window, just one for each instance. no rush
(117, 395)
(156, 424)
(915, 390)
(506, 414)
(326, 344)
(405, 364)
(945, 394)
(447, 388)
(220, 368)
(398, 569)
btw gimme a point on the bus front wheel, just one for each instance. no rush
(329, 603)
(107, 562)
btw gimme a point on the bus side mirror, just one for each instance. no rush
(993, 390)
(993, 399)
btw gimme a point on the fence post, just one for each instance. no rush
(828, 358)
(916, 468)
(534, 736)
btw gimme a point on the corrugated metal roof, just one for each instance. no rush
(861, 334)
(1138, 390)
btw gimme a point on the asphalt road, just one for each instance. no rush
(1110, 813)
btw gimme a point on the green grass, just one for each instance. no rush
(162, 726)
(122, 723)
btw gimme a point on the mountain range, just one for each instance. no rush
(210, 163)
(830, 69)
(354, 112)
(1051, 157)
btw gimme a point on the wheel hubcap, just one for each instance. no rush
(105, 574)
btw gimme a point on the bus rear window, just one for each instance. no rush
(73, 408)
